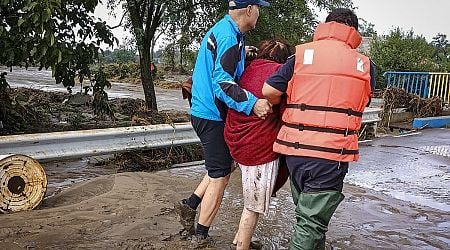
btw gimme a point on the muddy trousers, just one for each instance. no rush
(313, 213)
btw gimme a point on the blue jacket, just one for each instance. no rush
(219, 66)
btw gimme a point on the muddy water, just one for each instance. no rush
(32, 78)
(412, 168)
(365, 219)
(63, 175)
(397, 197)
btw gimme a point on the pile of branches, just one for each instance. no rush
(14, 115)
(157, 159)
(395, 98)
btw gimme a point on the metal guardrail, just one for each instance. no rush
(424, 84)
(371, 115)
(76, 144)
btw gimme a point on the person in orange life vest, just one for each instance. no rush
(250, 140)
(328, 84)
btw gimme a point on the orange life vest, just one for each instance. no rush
(326, 96)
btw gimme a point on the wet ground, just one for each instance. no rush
(403, 202)
(167, 99)
(397, 197)
(413, 167)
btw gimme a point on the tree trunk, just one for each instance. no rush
(181, 58)
(146, 77)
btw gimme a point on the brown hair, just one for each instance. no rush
(276, 50)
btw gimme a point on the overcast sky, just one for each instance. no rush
(425, 17)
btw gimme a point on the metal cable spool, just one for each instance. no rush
(22, 183)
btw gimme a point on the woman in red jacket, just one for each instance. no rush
(250, 140)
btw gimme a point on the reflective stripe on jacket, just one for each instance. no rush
(326, 96)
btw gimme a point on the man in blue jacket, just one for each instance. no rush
(219, 65)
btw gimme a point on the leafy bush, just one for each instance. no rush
(402, 51)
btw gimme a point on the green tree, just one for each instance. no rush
(59, 34)
(293, 21)
(119, 55)
(366, 29)
(401, 51)
(148, 19)
(189, 19)
(441, 52)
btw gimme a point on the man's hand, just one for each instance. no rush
(262, 108)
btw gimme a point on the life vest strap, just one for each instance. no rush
(297, 145)
(304, 107)
(302, 127)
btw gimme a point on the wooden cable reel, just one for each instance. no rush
(22, 183)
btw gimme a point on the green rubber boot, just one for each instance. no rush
(313, 213)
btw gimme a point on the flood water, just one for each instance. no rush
(32, 78)
(403, 201)
(397, 196)
(412, 168)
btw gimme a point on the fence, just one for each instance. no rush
(424, 84)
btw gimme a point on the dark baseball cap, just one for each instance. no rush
(239, 4)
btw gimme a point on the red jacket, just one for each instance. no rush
(249, 138)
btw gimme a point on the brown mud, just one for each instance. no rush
(134, 210)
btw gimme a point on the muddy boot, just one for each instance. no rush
(186, 216)
(199, 241)
(256, 244)
(313, 213)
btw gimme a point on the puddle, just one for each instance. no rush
(445, 224)
(419, 200)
